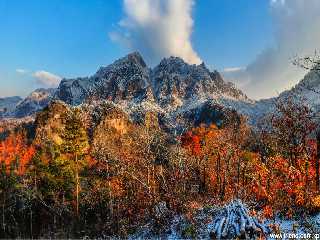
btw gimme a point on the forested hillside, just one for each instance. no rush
(94, 171)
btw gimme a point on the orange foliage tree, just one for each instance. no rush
(220, 160)
(227, 170)
(15, 153)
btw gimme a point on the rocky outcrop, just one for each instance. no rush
(50, 122)
(105, 123)
(211, 113)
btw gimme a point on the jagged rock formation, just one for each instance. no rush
(170, 90)
(169, 84)
(173, 91)
(50, 122)
(125, 79)
(175, 82)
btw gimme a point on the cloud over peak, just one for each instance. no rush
(46, 78)
(158, 29)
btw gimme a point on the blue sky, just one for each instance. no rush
(69, 38)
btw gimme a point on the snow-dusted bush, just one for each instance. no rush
(234, 221)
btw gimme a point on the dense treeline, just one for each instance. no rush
(72, 186)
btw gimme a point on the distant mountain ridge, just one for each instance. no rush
(308, 89)
(33, 103)
(7, 104)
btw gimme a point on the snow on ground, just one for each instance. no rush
(307, 227)
(230, 221)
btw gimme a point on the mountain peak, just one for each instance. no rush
(136, 58)
(132, 60)
(172, 61)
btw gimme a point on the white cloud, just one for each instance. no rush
(21, 70)
(297, 32)
(158, 28)
(46, 78)
(274, 2)
(233, 69)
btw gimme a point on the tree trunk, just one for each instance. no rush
(31, 220)
(77, 187)
(204, 179)
(218, 172)
(238, 180)
(110, 195)
(3, 215)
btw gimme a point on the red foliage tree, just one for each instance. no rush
(15, 153)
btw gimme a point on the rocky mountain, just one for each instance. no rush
(173, 89)
(170, 84)
(175, 83)
(125, 79)
(176, 92)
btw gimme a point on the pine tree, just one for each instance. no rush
(75, 144)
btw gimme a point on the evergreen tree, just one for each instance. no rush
(75, 144)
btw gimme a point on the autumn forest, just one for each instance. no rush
(59, 180)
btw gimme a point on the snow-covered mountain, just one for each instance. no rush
(175, 82)
(125, 79)
(308, 89)
(170, 84)
(173, 88)
(180, 93)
